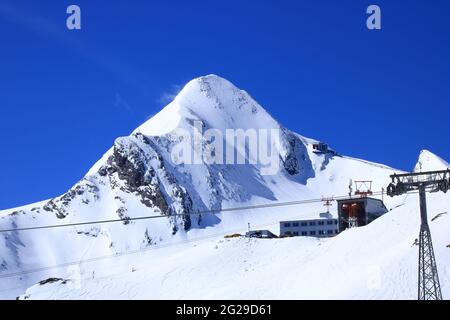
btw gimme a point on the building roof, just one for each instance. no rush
(359, 199)
(364, 200)
(315, 219)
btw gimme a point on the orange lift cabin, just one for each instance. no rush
(358, 212)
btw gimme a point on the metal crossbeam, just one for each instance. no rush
(435, 180)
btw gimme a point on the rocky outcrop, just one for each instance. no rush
(295, 158)
(86, 190)
(136, 166)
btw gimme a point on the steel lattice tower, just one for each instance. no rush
(428, 280)
(429, 287)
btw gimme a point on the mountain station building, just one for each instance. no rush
(352, 212)
(311, 228)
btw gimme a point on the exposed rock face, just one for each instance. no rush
(290, 161)
(134, 167)
(140, 169)
(86, 190)
(295, 159)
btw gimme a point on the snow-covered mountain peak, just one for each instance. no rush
(220, 91)
(428, 161)
(214, 101)
(209, 85)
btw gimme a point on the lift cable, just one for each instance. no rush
(218, 211)
(126, 253)
(79, 262)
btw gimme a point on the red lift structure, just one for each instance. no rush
(363, 188)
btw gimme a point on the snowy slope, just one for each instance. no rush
(138, 178)
(429, 162)
(378, 261)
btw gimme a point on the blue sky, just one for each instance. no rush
(66, 95)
